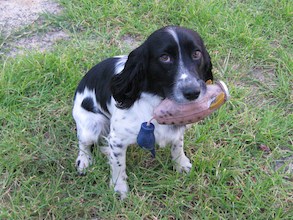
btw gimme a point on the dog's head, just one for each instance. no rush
(172, 63)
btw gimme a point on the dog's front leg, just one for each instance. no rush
(182, 163)
(117, 160)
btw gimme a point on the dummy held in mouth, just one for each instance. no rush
(171, 113)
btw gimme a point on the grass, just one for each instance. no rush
(250, 43)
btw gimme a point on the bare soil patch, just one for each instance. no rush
(17, 14)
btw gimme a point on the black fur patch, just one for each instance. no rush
(88, 104)
(98, 78)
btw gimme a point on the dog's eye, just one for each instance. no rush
(165, 58)
(196, 55)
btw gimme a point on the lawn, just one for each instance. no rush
(242, 155)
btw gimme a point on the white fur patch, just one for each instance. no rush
(173, 33)
(183, 76)
(120, 64)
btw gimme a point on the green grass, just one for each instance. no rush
(250, 43)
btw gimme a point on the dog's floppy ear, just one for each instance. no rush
(126, 86)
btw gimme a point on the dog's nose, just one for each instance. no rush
(191, 93)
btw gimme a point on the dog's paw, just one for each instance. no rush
(183, 164)
(83, 161)
(121, 188)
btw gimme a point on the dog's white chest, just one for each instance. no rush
(126, 123)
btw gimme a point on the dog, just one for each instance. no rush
(120, 93)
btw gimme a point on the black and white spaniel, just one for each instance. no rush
(117, 95)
